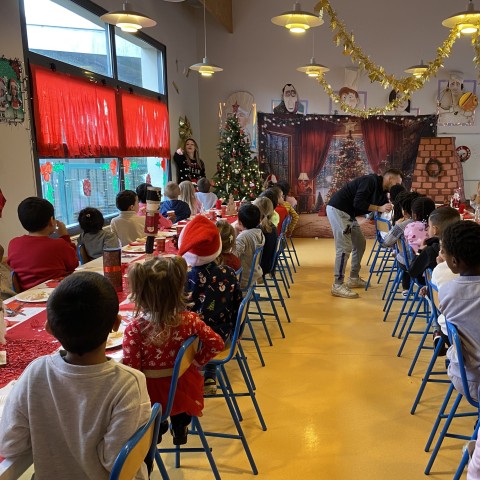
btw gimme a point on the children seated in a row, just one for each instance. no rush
(214, 289)
(128, 226)
(36, 257)
(204, 195)
(151, 341)
(187, 195)
(181, 209)
(93, 237)
(74, 409)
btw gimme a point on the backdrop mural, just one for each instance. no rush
(318, 154)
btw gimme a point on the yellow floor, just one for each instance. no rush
(335, 396)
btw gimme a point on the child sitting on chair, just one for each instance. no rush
(249, 238)
(181, 209)
(151, 341)
(37, 257)
(215, 291)
(93, 236)
(74, 409)
(128, 226)
(265, 206)
(206, 197)
(227, 236)
(460, 299)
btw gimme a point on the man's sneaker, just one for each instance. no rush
(209, 386)
(343, 291)
(356, 283)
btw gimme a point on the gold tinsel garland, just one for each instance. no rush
(376, 73)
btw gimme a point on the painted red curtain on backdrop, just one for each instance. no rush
(74, 117)
(145, 122)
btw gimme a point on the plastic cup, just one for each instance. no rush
(160, 245)
(179, 229)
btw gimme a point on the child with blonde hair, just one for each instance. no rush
(227, 236)
(181, 208)
(269, 230)
(151, 341)
(187, 194)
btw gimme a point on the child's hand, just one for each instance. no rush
(61, 229)
(423, 292)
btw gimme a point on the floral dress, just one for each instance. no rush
(140, 353)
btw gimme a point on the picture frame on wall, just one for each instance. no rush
(452, 117)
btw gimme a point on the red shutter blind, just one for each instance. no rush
(146, 126)
(73, 117)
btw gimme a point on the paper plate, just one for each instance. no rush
(164, 234)
(37, 295)
(134, 248)
(115, 339)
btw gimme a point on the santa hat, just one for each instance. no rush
(199, 242)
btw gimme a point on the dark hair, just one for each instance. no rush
(272, 195)
(406, 202)
(394, 172)
(81, 311)
(461, 240)
(393, 96)
(142, 192)
(395, 190)
(249, 215)
(125, 199)
(285, 187)
(203, 185)
(91, 220)
(442, 217)
(422, 207)
(34, 213)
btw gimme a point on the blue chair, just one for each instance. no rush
(184, 359)
(16, 287)
(227, 392)
(287, 251)
(82, 254)
(457, 343)
(139, 449)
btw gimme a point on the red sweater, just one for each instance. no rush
(282, 213)
(37, 259)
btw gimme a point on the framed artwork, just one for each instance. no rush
(335, 109)
(302, 105)
(449, 112)
(11, 91)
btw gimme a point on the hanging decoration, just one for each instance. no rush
(87, 187)
(46, 170)
(463, 153)
(126, 165)
(11, 91)
(376, 73)
(148, 179)
(184, 130)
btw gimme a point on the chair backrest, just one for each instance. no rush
(184, 359)
(82, 254)
(140, 445)
(455, 340)
(257, 256)
(382, 225)
(278, 250)
(405, 250)
(231, 350)
(238, 274)
(286, 223)
(17, 288)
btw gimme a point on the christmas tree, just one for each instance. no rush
(348, 166)
(237, 172)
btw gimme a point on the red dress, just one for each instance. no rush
(142, 355)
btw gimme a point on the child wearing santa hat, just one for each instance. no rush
(215, 291)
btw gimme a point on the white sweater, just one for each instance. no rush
(74, 419)
(128, 226)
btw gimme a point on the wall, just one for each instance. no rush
(261, 57)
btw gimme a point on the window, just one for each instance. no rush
(87, 154)
(83, 35)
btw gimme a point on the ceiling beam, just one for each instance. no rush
(222, 11)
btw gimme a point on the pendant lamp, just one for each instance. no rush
(468, 21)
(417, 70)
(127, 19)
(205, 68)
(313, 69)
(297, 20)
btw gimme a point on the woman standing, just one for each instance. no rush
(190, 166)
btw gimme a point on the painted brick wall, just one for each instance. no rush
(441, 187)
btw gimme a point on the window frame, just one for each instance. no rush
(113, 81)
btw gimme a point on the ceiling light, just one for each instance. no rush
(467, 21)
(127, 19)
(417, 70)
(313, 69)
(297, 20)
(205, 68)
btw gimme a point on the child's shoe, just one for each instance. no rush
(180, 435)
(163, 429)
(405, 293)
(209, 386)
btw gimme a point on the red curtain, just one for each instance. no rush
(73, 117)
(381, 139)
(146, 130)
(315, 141)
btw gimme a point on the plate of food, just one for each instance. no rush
(165, 234)
(37, 295)
(133, 248)
(115, 339)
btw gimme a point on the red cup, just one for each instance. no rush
(179, 229)
(461, 208)
(160, 245)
